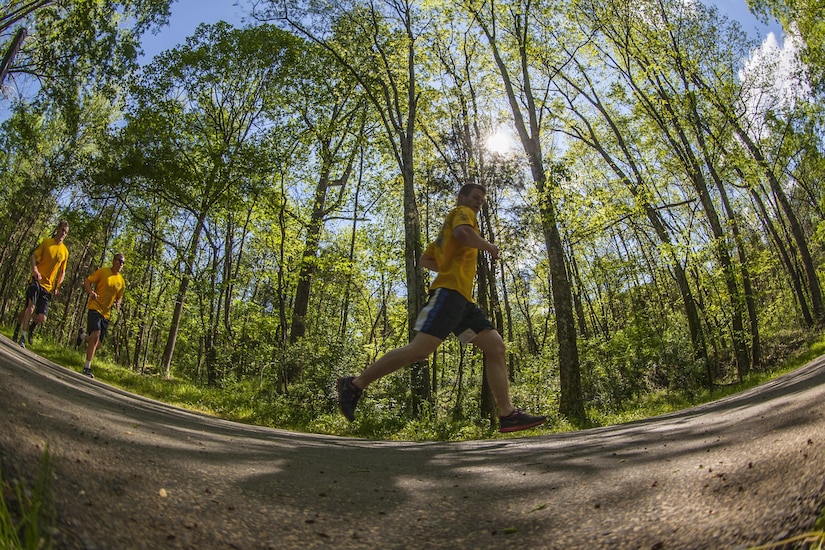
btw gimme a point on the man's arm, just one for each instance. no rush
(468, 236)
(87, 286)
(428, 261)
(60, 276)
(34, 261)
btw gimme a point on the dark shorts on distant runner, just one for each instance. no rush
(37, 295)
(448, 311)
(95, 321)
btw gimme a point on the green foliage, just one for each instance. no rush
(76, 43)
(428, 428)
(27, 512)
(636, 359)
(211, 183)
(310, 404)
(665, 401)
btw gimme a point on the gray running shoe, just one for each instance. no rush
(519, 420)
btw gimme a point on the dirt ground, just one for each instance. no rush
(134, 473)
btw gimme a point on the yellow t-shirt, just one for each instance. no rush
(109, 287)
(51, 258)
(456, 262)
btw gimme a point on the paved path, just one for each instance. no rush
(135, 473)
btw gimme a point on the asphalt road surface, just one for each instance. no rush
(130, 472)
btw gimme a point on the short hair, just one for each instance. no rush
(468, 188)
(60, 224)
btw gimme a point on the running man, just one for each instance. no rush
(451, 309)
(48, 263)
(105, 288)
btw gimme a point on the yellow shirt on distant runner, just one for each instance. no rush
(109, 287)
(51, 258)
(456, 262)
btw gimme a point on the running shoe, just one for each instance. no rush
(519, 420)
(348, 396)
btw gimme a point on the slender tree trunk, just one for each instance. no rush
(351, 255)
(578, 303)
(307, 269)
(147, 284)
(814, 286)
(11, 53)
(747, 288)
(571, 403)
(785, 258)
(177, 313)
(487, 403)
(213, 306)
(416, 293)
(508, 320)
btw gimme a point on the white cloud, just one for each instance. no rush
(773, 79)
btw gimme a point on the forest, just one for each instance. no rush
(653, 186)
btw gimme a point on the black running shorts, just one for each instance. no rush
(448, 311)
(41, 299)
(96, 321)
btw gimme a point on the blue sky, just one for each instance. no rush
(188, 14)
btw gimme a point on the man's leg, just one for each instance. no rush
(351, 387)
(41, 310)
(92, 343)
(33, 301)
(25, 318)
(490, 342)
(36, 320)
(510, 419)
(421, 347)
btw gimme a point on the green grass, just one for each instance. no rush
(664, 402)
(246, 402)
(28, 522)
(308, 411)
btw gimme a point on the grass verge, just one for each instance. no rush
(27, 511)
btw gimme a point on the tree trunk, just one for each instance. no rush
(307, 270)
(785, 258)
(571, 403)
(177, 313)
(814, 286)
(416, 293)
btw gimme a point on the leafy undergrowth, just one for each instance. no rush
(313, 410)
